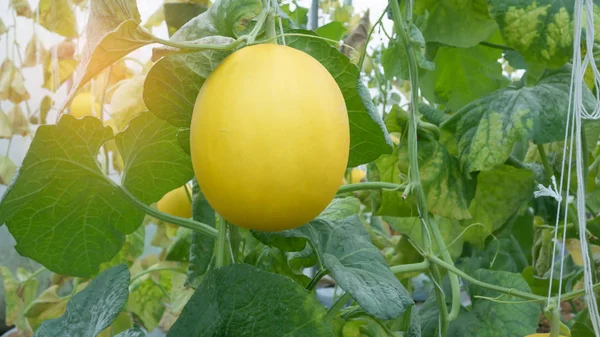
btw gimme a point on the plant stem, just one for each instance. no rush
(578, 293)
(101, 117)
(440, 298)
(594, 164)
(338, 305)
(413, 119)
(411, 268)
(36, 273)
(315, 280)
(495, 45)
(182, 222)
(270, 31)
(509, 291)
(364, 54)
(555, 323)
(199, 46)
(151, 270)
(371, 186)
(545, 162)
(222, 249)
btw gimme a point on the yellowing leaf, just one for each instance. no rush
(3, 28)
(18, 122)
(17, 299)
(22, 8)
(47, 306)
(33, 52)
(52, 79)
(65, 50)
(45, 106)
(5, 129)
(127, 101)
(7, 170)
(574, 248)
(57, 16)
(12, 84)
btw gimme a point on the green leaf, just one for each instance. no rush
(540, 31)
(298, 17)
(456, 22)
(462, 75)
(131, 250)
(334, 30)
(178, 14)
(179, 250)
(368, 137)
(487, 318)
(447, 189)
(201, 246)
(583, 325)
(183, 137)
(395, 61)
(133, 332)
(273, 260)
(57, 16)
(147, 299)
(93, 309)
(500, 193)
(451, 231)
(341, 208)
(539, 286)
(61, 179)
(154, 162)
(345, 249)
(240, 300)
(487, 129)
(7, 170)
(171, 89)
(113, 31)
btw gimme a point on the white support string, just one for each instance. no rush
(576, 112)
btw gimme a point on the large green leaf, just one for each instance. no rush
(57, 16)
(487, 318)
(368, 137)
(61, 190)
(93, 309)
(462, 75)
(487, 129)
(456, 23)
(500, 193)
(170, 90)
(447, 189)
(240, 300)
(345, 249)
(154, 162)
(541, 31)
(201, 246)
